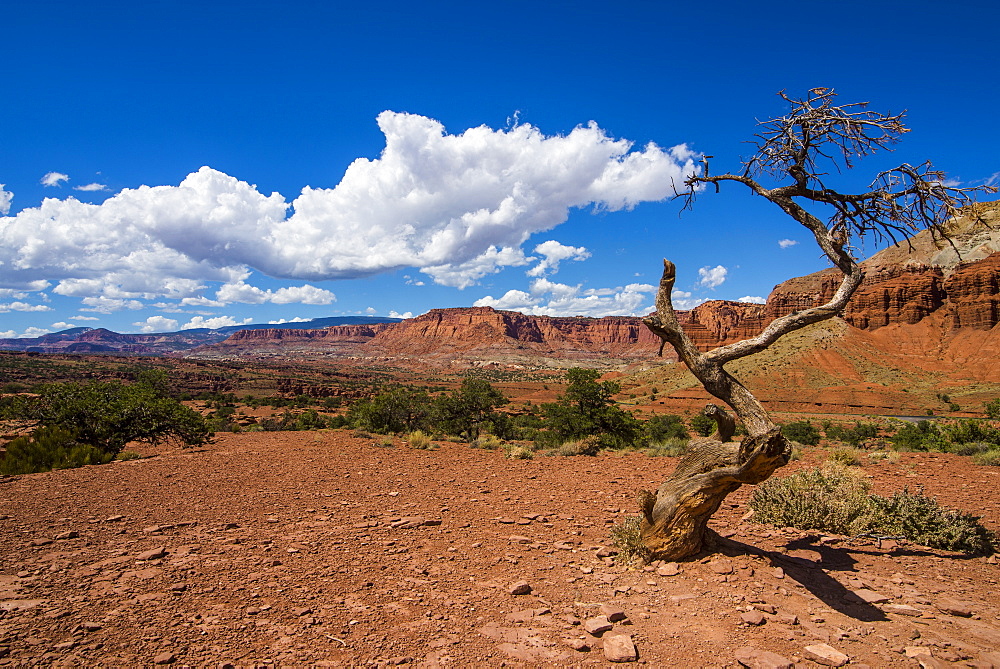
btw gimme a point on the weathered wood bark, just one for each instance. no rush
(791, 148)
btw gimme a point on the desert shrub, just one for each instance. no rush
(833, 499)
(992, 409)
(625, 537)
(385, 442)
(670, 448)
(970, 431)
(888, 456)
(850, 435)
(970, 448)
(848, 456)
(586, 446)
(361, 434)
(488, 442)
(920, 436)
(49, 448)
(702, 425)
(662, 427)
(801, 431)
(127, 455)
(837, 499)
(988, 458)
(922, 520)
(419, 440)
(519, 452)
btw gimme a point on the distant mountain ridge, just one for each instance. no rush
(102, 340)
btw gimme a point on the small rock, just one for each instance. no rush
(913, 651)
(41, 542)
(778, 572)
(519, 539)
(788, 619)
(954, 607)
(164, 658)
(605, 552)
(71, 534)
(91, 626)
(868, 596)
(597, 626)
(721, 567)
(669, 569)
(577, 644)
(613, 613)
(754, 618)
(902, 610)
(620, 648)
(153, 554)
(114, 519)
(519, 588)
(762, 659)
(766, 608)
(825, 654)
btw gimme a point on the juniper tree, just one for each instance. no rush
(795, 156)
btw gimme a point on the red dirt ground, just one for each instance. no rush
(318, 548)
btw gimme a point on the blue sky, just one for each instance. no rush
(180, 164)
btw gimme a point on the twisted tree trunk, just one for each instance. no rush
(675, 519)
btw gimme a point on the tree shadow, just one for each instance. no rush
(812, 574)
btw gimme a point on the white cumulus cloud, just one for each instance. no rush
(786, 243)
(157, 324)
(682, 299)
(84, 318)
(553, 253)
(213, 323)
(710, 277)
(91, 187)
(396, 314)
(752, 299)
(455, 206)
(6, 197)
(548, 298)
(53, 178)
(297, 319)
(22, 306)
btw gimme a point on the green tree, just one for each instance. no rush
(662, 427)
(586, 409)
(108, 415)
(468, 409)
(402, 409)
(801, 431)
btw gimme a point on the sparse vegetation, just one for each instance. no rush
(850, 457)
(802, 432)
(837, 499)
(625, 537)
(104, 416)
(48, 448)
(419, 440)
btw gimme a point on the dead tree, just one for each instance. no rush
(792, 151)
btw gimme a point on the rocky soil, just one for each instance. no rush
(325, 549)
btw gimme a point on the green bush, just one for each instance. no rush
(586, 409)
(49, 448)
(801, 431)
(108, 415)
(850, 435)
(922, 520)
(702, 425)
(662, 427)
(993, 409)
(833, 499)
(920, 436)
(837, 499)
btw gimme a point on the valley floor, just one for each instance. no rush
(322, 548)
